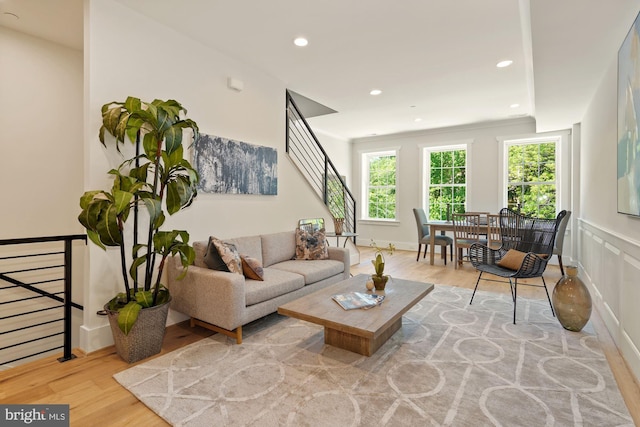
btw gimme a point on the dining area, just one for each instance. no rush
(507, 246)
(456, 235)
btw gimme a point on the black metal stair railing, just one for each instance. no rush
(310, 158)
(36, 296)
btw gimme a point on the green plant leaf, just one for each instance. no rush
(173, 137)
(145, 298)
(108, 228)
(127, 316)
(132, 104)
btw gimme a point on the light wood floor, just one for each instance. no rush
(96, 399)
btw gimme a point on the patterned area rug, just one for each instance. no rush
(451, 364)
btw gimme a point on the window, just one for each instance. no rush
(445, 178)
(531, 183)
(379, 185)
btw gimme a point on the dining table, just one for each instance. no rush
(444, 226)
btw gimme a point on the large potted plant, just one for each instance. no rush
(155, 178)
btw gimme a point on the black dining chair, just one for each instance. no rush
(527, 246)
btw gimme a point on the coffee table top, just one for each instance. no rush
(319, 308)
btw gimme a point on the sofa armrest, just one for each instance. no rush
(343, 255)
(217, 297)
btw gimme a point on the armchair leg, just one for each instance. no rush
(476, 288)
(419, 249)
(444, 248)
(547, 291)
(424, 255)
(515, 296)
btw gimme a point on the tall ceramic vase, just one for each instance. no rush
(571, 300)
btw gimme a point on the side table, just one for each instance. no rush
(346, 236)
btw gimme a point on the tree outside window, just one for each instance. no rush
(446, 177)
(380, 185)
(531, 181)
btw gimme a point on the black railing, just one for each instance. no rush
(309, 156)
(39, 285)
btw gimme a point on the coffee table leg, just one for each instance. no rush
(357, 344)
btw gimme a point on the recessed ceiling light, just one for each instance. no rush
(301, 41)
(504, 63)
(514, 105)
(417, 119)
(375, 92)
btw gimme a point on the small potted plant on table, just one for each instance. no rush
(379, 278)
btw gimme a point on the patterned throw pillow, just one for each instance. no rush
(212, 258)
(251, 268)
(311, 244)
(229, 255)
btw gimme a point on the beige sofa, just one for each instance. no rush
(224, 301)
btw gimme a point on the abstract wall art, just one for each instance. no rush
(628, 153)
(235, 167)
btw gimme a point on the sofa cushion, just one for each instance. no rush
(275, 283)
(200, 249)
(311, 245)
(252, 268)
(248, 245)
(311, 271)
(278, 247)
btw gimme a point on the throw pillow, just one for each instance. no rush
(251, 268)
(311, 245)
(212, 258)
(513, 259)
(229, 255)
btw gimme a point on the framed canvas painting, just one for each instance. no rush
(628, 150)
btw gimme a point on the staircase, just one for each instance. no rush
(307, 154)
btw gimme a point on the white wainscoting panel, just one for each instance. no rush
(610, 266)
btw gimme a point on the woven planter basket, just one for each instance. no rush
(145, 338)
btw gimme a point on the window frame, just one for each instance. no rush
(562, 167)
(425, 169)
(365, 157)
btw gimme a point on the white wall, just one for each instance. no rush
(41, 133)
(41, 174)
(128, 54)
(609, 243)
(482, 174)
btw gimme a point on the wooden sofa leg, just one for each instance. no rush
(236, 333)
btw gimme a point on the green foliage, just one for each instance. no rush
(532, 179)
(382, 187)
(159, 178)
(448, 178)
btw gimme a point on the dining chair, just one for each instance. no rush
(527, 245)
(424, 238)
(494, 240)
(559, 242)
(467, 230)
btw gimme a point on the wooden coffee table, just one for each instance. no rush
(360, 331)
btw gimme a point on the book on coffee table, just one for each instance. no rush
(353, 300)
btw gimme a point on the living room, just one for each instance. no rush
(65, 89)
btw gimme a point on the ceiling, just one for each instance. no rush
(434, 60)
